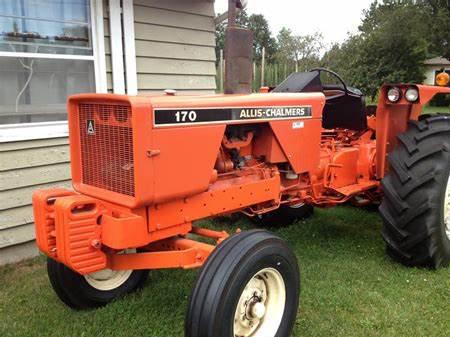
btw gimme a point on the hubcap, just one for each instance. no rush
(108, 279)
(261, 305)
(447, 209)
(300, 205)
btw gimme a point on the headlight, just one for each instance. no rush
(412, 95)
(394, 94)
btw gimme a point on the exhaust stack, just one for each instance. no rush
(238, 54)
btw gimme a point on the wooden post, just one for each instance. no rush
(263, 61)
(296, 66)
(221, 70)
(254, 84)
(276, 74)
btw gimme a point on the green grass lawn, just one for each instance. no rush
(349, 288)
(436, 109)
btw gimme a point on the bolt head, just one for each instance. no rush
(258, 310)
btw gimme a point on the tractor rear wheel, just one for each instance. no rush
(416, 205)
(284, 215)
(249, 286)
(92, 290)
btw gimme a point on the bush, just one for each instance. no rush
(441, 100)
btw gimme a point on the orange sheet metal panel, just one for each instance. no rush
(121, 160)
(186, 160)
(344, 170)
(301, 145)
(120, 137)
(222, 197)
(266, 145)
(189, 149)
(392, 118)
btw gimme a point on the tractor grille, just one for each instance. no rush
(107, 147)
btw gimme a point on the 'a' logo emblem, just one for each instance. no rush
(90, 127)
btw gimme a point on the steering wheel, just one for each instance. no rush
(320, 70)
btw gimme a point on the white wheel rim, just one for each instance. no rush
(261, 305)
(300, 205)
(446, 209)
(108, 279)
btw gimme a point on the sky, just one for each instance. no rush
(333, 18)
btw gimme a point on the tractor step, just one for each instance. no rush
(357, 188)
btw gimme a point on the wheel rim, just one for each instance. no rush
(107, 279)
(300, 205)
(261, 305)
(446, 209)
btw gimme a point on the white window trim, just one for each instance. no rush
(130, 47)
(46, 56)
(98, 43)
(115, 29)
(31, 131)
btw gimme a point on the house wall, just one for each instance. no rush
(174, 48)
(175, 43)
(25, 167)
(430, 73)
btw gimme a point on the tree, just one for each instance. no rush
(439, 27)
(302, 50)
(259, 25)
(262, 35)
(384, 50)
(220, 39)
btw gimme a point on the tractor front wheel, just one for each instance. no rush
(416, 205)
(92, 290)
(249, 286)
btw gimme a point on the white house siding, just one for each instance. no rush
(174, 48)
(175, 45)
(25, 167)
(430, 73)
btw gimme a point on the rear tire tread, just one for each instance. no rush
(419, 166)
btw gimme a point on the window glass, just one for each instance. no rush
(45, 26)
(37, 89)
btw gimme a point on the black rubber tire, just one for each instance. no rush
(283, 216)
(73, 289)
(414, 193)
(224, 276)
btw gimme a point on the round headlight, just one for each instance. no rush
(412, 95)
(394, 94)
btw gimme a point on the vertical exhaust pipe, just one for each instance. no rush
(238, 54)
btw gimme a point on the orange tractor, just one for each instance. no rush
(144, 169)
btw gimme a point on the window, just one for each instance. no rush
(46, 54)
